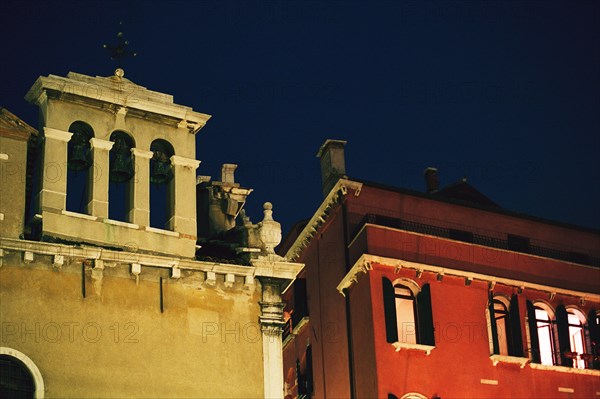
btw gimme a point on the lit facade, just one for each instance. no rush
(437, 295)
(122, 273)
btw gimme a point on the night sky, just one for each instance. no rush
(504, 93)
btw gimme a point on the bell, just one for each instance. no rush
(121, 167)
(79, 158)
(160, 171)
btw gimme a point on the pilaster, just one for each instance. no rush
(53, 193)
(183, 195)
(140, 189)
(98, 178)
(272, 323)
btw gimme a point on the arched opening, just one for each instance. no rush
(120, 176)
(15, 379)
(505, 325)
(408, 314)
(79, 171)
(19, 376)
(161, 184)
(541, 333)
(577, 322)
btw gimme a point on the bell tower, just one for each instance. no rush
(117, 166)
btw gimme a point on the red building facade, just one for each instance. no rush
(440, 294)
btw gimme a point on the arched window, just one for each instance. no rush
(505, 323)
(15, 379)
(541, 331)
(594, 330)
(79, 171)
(161, 187)
(405, 314)
(19, 376)
(576, 322)
(120, 176)
(408, 316)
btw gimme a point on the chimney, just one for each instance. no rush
(227, 173)
(431, 180)
(333, 165)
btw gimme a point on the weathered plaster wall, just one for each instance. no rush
(115, 342)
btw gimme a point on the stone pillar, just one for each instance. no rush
(98, 178)
(139, 196)
(272, 323)
(53, 192)
(183, 195)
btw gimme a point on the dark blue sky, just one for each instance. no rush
(505, 93)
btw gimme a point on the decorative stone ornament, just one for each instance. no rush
(269, 230)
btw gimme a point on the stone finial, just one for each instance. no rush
(269, 230)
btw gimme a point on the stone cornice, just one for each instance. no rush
(122, 92)
(320, 217)
(185, 162)
(365, 262)
(278, 269)
(56, 134)
(141, 153)
(101, 144)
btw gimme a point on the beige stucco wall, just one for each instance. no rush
(12, 186)
(115, 342)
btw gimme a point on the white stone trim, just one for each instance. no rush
(141, 153)
(419, 347)
(398, 264)
(352, 276)
(3, 157)
(564, 369)
(120, 223)
(56, 134)
(521, 361)
(488, 382)
(101, 144)
(161, 231)
(185, 162)
(566, 390)
(320, 216)
(78, 215)
(33, 369)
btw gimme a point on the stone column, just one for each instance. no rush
(139, 197)
(98, 178)
(53, 192)
(183, 196)
(272, 323)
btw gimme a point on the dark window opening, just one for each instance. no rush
(121, 172)
(460, 235)
(161, 185)
(518, 243)
(79, 167)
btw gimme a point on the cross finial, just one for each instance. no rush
(119, 51)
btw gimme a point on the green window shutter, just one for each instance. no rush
(533, 334)
(515, 340)
(564, 343)
(425, 317)
(389, 307)
(493, 323)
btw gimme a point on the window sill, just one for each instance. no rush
(122, 224)
(563, 369)
(161, 231)
(521, 361)
(404, 345)
(79, 215)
